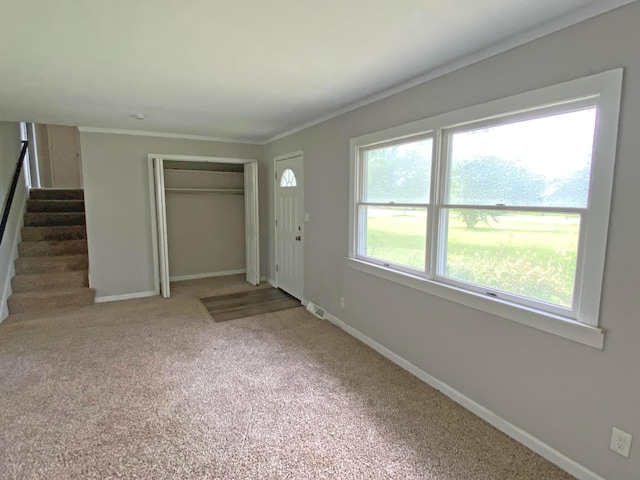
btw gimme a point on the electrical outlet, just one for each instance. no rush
(620, 442)
(342, 302)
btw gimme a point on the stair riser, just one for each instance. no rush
(23, 305)
(42, 249)
(34, 234)
(56, 194)
(36, 283)
(50, 264)
(55, 206)
(53, 219)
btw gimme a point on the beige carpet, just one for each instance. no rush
(155, 389)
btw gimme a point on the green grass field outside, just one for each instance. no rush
(526, 254)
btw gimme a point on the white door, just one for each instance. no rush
(251, 230)
(289, 226)
(161, 225)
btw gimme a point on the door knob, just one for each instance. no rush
(298, 238)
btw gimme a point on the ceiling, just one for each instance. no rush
(240, 69)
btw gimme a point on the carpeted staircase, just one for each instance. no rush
(52, 265)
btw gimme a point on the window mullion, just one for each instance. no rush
(434, 213)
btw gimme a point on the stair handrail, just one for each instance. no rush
(12, 191)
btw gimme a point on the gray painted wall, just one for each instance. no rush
(564, 393)
(9, 152)
(205, 231)
(116, 181)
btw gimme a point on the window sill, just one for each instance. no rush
(557, 325)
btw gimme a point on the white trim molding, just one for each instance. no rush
(592, 10)
(126, 296)
(547, 322)
(515, 432)
(578, 321)
(184, 136)
(195, 158)
(180, 278)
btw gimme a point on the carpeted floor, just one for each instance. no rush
(155, 389)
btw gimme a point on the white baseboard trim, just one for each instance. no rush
(504, 426)
(126, 296)
(180, 278)
(271, 282)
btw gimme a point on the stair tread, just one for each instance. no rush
(56, 193)
(63, 201)
(55, 263)
(57, 219)
(70, 200)
(56, 189)
(50, 274)
(67, 232)
(43, 294)
(56, 227)
(54, 214)
(39, 248)
(36, 282)
(56, 257)
(52, 266)
(54, 242)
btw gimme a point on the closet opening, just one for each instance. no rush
(206, 215)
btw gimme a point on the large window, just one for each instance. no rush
(503, 206)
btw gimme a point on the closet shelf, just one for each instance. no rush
(219, 191)
(214, 172)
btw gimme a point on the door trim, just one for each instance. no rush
(286, 156)
(155, 207)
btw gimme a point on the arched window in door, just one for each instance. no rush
(288, 178)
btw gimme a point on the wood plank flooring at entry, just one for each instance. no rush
(248, 304)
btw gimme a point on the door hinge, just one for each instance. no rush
(276, 267)
(275, 176)
(276, 222)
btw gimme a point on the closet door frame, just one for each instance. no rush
(160, 245)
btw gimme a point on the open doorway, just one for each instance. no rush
(206, 215)
(55, 150)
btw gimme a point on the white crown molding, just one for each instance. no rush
(585, 13)
(142, 133)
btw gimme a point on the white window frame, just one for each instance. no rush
(603, 91)
(360, 202)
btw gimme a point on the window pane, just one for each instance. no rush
(541, 162)
(527, 254)
(394, 234)
(400, 173)
(288, 179)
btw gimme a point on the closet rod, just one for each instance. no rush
(218, 191)
(198, 171)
